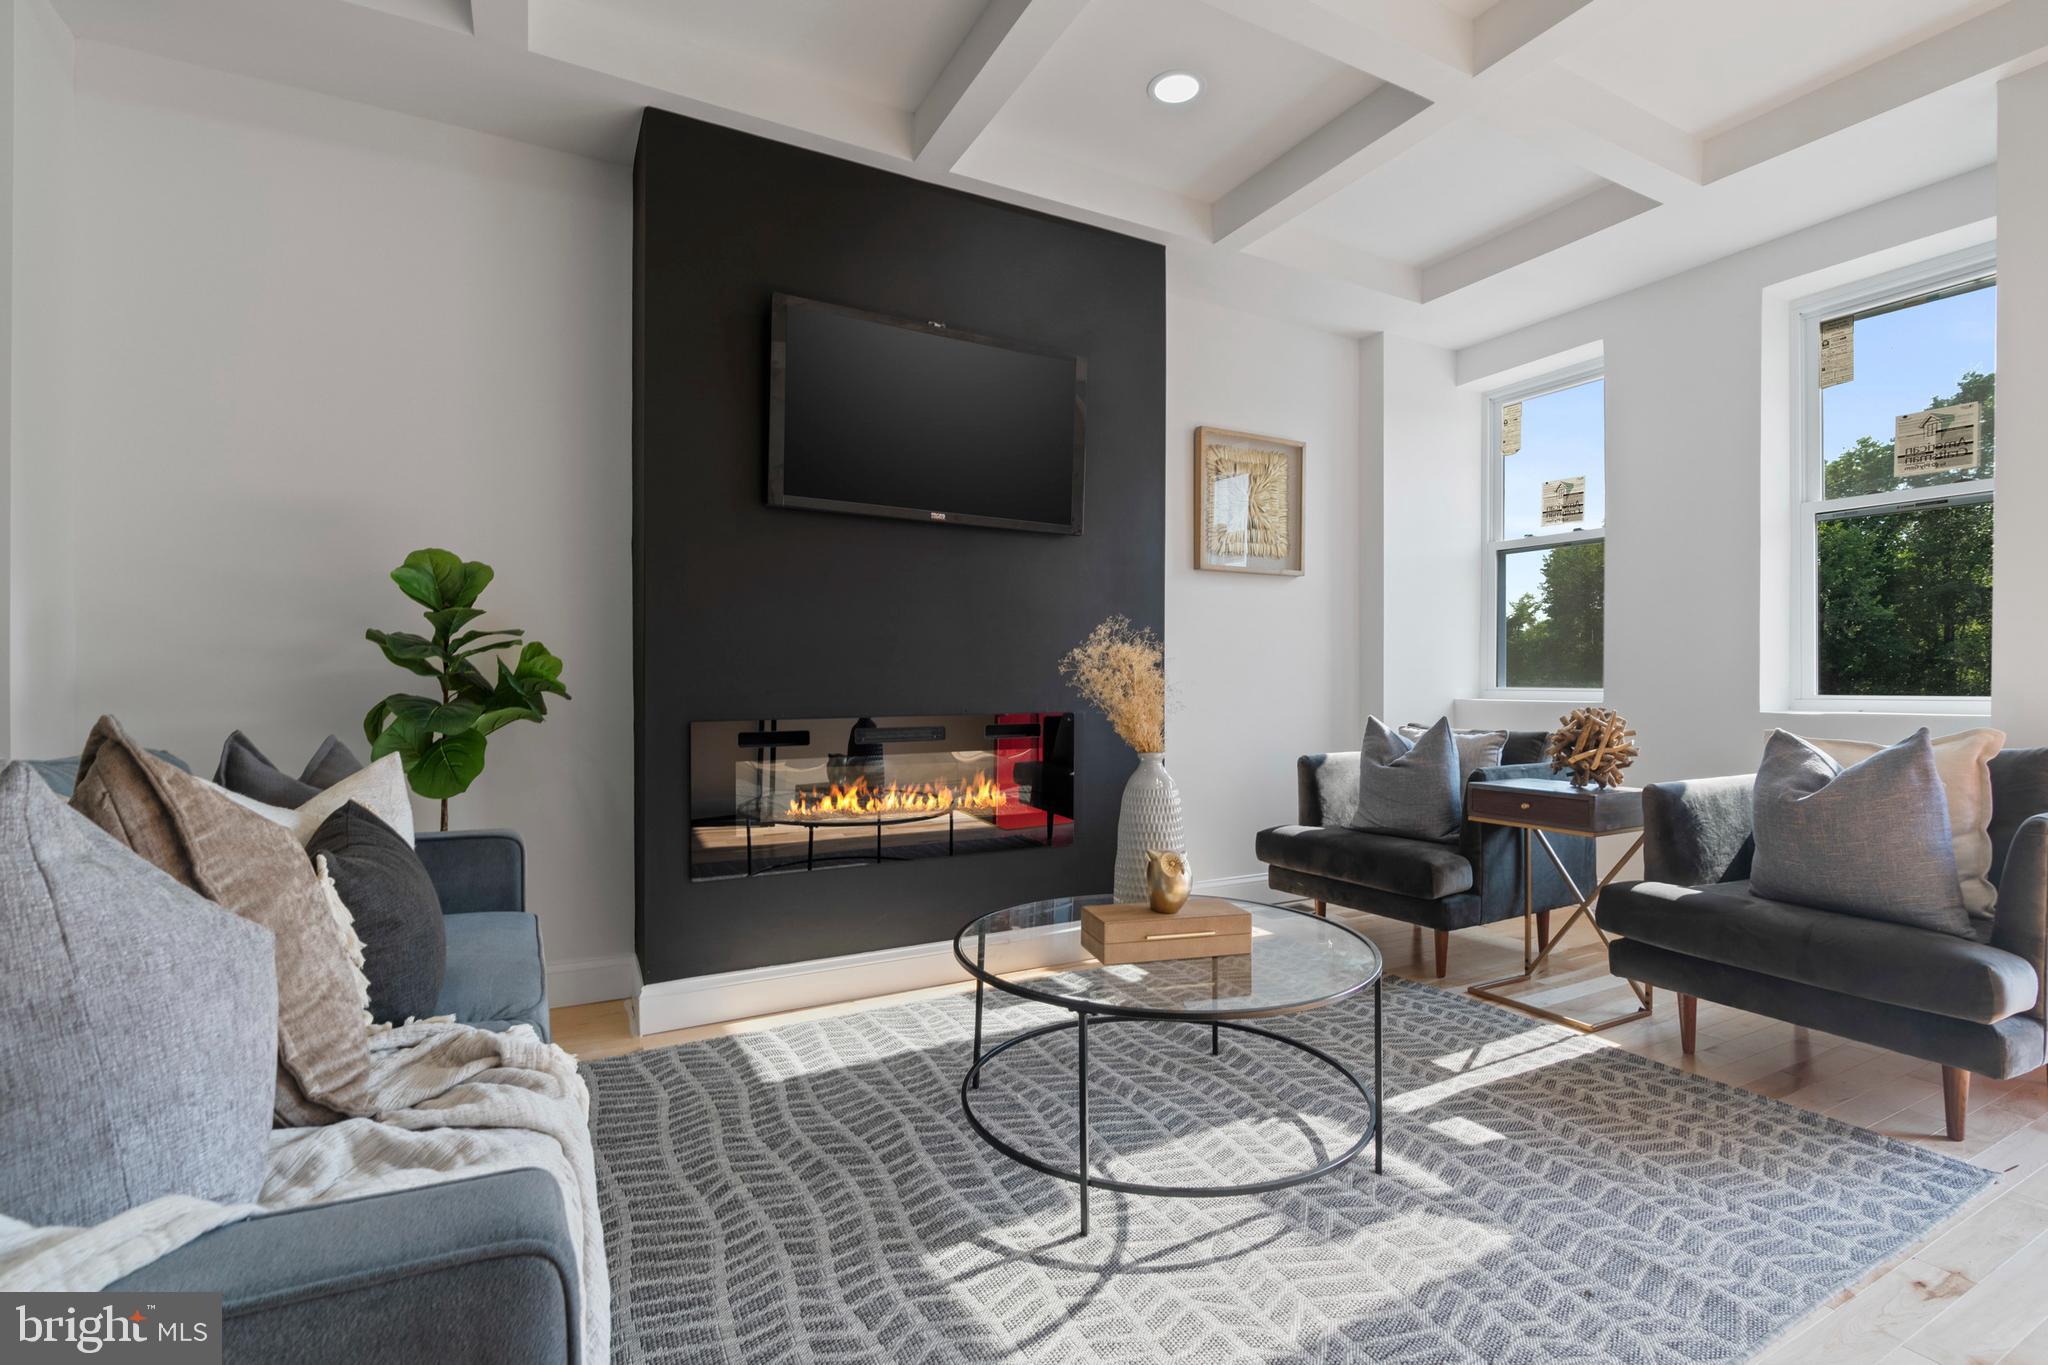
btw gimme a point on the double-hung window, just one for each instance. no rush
(1892, 532)
(1546, 553)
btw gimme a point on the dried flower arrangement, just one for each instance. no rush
(1121, 671)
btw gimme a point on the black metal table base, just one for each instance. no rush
(1081, 1175)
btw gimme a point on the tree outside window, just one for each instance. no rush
(1902, 565)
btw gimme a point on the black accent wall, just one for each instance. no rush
(742, 610)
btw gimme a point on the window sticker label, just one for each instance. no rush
(1935, 441)
(1511, 428)
(1837, 352)
(1564, 501)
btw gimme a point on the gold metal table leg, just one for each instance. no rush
(1490, 990)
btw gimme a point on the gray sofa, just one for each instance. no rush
(1968, 1004)
(480, 1270)
(1442, 887)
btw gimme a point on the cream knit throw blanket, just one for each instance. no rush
(452, 1102)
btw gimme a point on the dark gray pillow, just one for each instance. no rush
(1869, 840)
(1412, 790)
(138, 1025)
(245, 771)
(397, 913)
(331, 762)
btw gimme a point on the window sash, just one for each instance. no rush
(1497, 553)
(1957, 273)
(1496, 542)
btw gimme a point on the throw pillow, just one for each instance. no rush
(138, 1025)
(331, 762)
(1408, 789)
(1964, 762)
(397, 915)
(1476, 748)
(380, 788)
(244, 770)
(1870, 840)
(254, 867)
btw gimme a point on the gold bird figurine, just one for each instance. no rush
(1166, 880)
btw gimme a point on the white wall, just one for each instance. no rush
(1428, 528)
(1696, 499)
(2019, 644)
(311, 336)
(1262, 668)
(34, 531)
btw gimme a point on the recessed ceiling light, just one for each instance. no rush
(1175, 87)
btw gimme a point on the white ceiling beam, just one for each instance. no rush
(1604, 133)
(501, 21)
(1472, 68)
(1524, 32)
(1420, 47)
(1005, 45)
(1315, 254)
(1063, 184)
(1988, 47)
(1591, 213)
(1364, 137)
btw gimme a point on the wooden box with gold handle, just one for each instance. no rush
(1205, 927)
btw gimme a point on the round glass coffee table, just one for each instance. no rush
(1298, 962)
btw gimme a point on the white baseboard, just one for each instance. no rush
(693, 1000)
(587, 980)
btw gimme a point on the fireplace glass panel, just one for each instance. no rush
(805, 794)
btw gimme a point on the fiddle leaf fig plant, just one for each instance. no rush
(442, 741)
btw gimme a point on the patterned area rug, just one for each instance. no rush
(813, 1193)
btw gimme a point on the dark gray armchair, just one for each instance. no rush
(1968, 1004)
(1442, 887)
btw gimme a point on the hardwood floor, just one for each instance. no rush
(1968, 1295)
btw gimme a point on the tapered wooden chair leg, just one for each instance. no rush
(1322, 909)
(1955, 1099)
(1688, 1023)
(1542, 930)
(1443, 951)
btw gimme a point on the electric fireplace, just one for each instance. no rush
(781, 795)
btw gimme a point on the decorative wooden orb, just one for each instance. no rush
(1593, 744)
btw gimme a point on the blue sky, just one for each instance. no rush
(1905, 358)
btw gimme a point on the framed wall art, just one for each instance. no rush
(1247, 502)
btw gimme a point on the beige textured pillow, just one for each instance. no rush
(1963, 760)
(254, 867)
(380, 789)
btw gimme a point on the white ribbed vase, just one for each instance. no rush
(1150, 820)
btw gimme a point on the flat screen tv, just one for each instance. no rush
(893, 417)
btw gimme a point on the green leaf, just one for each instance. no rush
(407, 650)
(438, 579)
(447, 766)
(452, 618)
(399, 737)
(495, 717)
(467, 681)
(475, 578)
(417, 583)
(374, 721)
(538, 669)
(429, 717)
(471, 638)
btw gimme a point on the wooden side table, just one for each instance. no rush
(1539, 808)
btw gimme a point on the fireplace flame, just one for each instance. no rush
(936, 798)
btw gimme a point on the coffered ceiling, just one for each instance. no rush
(1445, 168)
